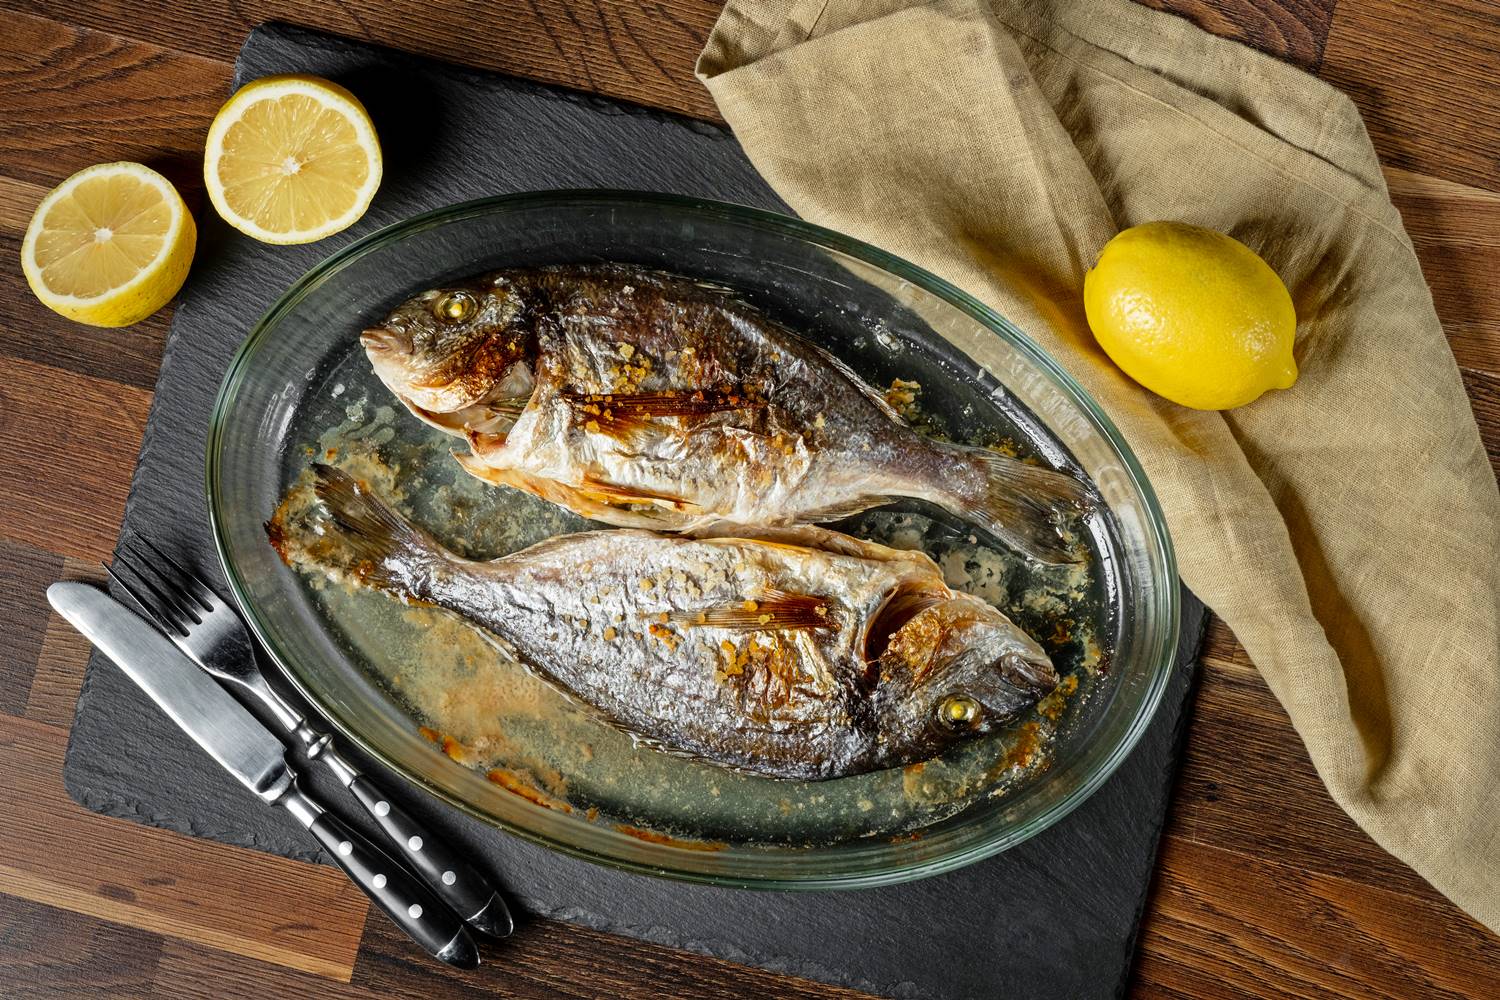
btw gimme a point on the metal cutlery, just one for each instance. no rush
(211, 633)
(257, 758)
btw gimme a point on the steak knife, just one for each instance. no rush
(249, 751)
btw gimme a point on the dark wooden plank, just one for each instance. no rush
(18, 199)
(74, 98)
(1456, 232)
(1221, 649)
(1222, 926)
(48, 954)
(188, 971)
(31, 332)
(641, 51)
(1484, 395)
(307, 917)
(63, 658)
(1293, 30)
(1247, 787)
(1424, 76)
(73, 442)
(25, 572)
(546, 959)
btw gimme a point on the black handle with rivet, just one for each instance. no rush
(455, 881)
(400, 894)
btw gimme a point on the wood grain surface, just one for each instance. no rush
(1263, 888)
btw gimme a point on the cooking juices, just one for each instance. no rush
(487, 712)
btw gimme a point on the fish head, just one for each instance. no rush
(951, 667)
(449, 348)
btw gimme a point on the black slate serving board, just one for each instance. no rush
(1055, 917)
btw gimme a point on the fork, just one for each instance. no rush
(211, 633)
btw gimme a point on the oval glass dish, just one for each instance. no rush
(419, 694)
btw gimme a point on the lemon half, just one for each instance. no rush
(1192, 314)
(291, 159)
(110, 245)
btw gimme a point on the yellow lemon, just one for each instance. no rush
(291, 159)
(110, 245)
(1192, 315)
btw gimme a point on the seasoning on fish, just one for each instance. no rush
(805, 654)
(649, 400)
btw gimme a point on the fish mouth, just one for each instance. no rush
(1026, 673)
(382, 340)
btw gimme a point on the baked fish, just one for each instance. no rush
(805, 654)
(648, 400)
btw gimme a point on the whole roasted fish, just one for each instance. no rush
(807, 655)
(648, 400)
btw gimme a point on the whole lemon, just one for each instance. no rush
(1192, 314)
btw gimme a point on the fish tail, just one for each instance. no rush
(1023, 505)
(390, 553)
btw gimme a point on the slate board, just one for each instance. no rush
(1055, 917)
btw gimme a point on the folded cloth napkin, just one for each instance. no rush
(1348, 528)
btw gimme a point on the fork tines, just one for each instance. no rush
(171, 595)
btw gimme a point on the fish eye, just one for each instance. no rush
(454, 307)
(958, 712)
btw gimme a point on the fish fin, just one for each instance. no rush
(845, 508)
(618, 412)
(865, 389)
(495, 417)
(812, 537)
(510, 406)
(1024, 505)
(444, 422)
(579, 501)
(390, 551)
(481, 443)
(612, 494)
(774, 610)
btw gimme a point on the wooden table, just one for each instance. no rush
(1263, 886)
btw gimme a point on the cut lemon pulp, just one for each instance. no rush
(291, 159)
(110, 245)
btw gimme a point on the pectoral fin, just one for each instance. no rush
(613, 495)
(583, 502)
(498, 413)
(622, 412)
(846, 508)
(493, 418)
(774, 610)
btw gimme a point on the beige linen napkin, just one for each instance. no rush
(1347, 529)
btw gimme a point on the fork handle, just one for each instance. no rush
(459, 885)
(396, 891)
(454, 881)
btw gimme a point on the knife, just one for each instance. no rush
(249, 751)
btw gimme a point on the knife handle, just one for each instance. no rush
(401, 895)
(454, 880)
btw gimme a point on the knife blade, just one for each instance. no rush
(257, 759)
(202, 709)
